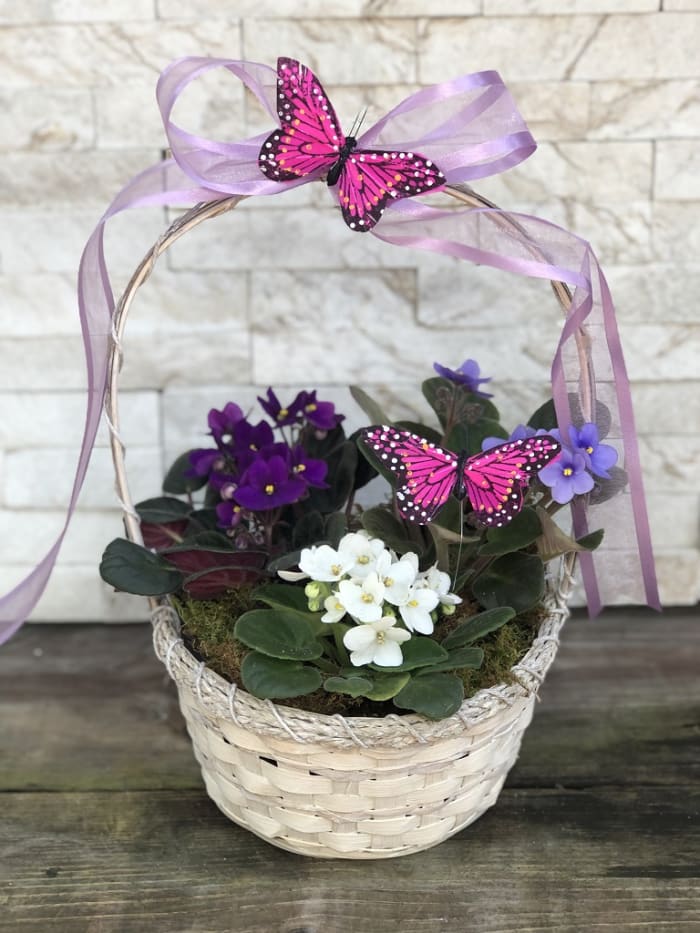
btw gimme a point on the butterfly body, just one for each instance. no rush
(427, 475)
(310, 142)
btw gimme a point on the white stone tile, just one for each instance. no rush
(576, 170)
(388, 47)
(679, 577)
(655, 292)
(24, 533)
(644, 109)
(662, 352)
(656, 45)
(98, 54)
(55, 419)
(553, 110)
(677, 176)
(520, 48)
(213, 106)
(620, 232)
(683, 5)
(42, 363)
(327, 9)
(33, 481)
(549, 7)
(670, 463)
(45, 120)
(676, 231)
(68, 179)
(673, 520)
(667, 408)
(77, 594)
(13, 12)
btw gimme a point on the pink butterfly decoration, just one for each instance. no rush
(310, 142)
(492, 480)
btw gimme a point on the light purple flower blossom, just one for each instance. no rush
(467, 375)
(566, 476)
(598, 457)
(519, 434)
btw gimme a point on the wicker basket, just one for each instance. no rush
(333, 786)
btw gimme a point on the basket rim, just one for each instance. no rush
(221, 700)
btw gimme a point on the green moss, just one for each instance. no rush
(207, 627)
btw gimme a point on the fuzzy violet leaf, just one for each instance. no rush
(553, 542)
(433, 695)
(387, 686)
(459, 659)
(522, 531)
(418, 652)
(515, 580)
(372, 409)
(353, 685)
(471, 630)
(275, 679)
(178, 481)
(278, 633)
(379, 522)
(130, 568)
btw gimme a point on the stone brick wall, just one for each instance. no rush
(610, 90)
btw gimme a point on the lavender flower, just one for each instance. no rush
(598, 457)
(566, 476)
(520, 433)
(467, 375)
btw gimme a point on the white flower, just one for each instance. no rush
(292, 576)
(415, 612)
(376, 643)
(397, 576)
(363, 600)
(324, 564)
(363, 550)
(335, 610)
(439, 582)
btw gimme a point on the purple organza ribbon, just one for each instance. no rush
(471, 128)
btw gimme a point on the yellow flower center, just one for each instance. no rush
(413, 603)
(282, 414)
(269, 489)
(363, 559)
(589, 450)
(299, 468)
(381, 638)
(567, 471)
(311, 407)
(335, 569)
(367, 598)
(388, 581)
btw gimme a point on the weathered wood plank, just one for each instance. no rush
(543, 861)
(89, 707)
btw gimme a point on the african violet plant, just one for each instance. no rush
(389, 604)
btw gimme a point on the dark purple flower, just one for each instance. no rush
(280, 415)
(599, 457)
(205, 461)
(224, 483)
(566, 476)
(249, 438)
(467, 375)
(519, 434)
(319, 414)
(267, 484)
(228, 514)
(221, 423)
(312, 471)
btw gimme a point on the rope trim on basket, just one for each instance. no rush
(222, 701)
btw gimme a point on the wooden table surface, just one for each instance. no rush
(105, 827)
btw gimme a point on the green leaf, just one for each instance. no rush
(439, 394)
(285, 562)
(278, 633)
(545, 417)
(372, 409)
(271, 678)
(422, 430)
(433, 695)
(176, 483)
(290, 598)
(204, 519)
(554, 541)
(381, 523)
(130, 568)
(469, 436)
(473, 629)
(342, 464)
(518, 534)
(420, 651)
(605, 489)
(336, 528)
(307, 530)
(162, 510)
(459, 659)
(352, 685)
(387, 686)
(515, 580)
(445, 397)
(364, 470)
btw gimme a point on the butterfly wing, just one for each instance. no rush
(495, 478)
(309, 137)
(369, 180)
(425, 473)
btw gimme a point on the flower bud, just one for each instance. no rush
(448, 609)
(314, 605)
(312, 590)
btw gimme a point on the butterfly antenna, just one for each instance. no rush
(357, 123)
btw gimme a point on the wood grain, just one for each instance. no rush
(105, 828)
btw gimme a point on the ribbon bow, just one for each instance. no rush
(471, 128)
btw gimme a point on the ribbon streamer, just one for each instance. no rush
(471, 128)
